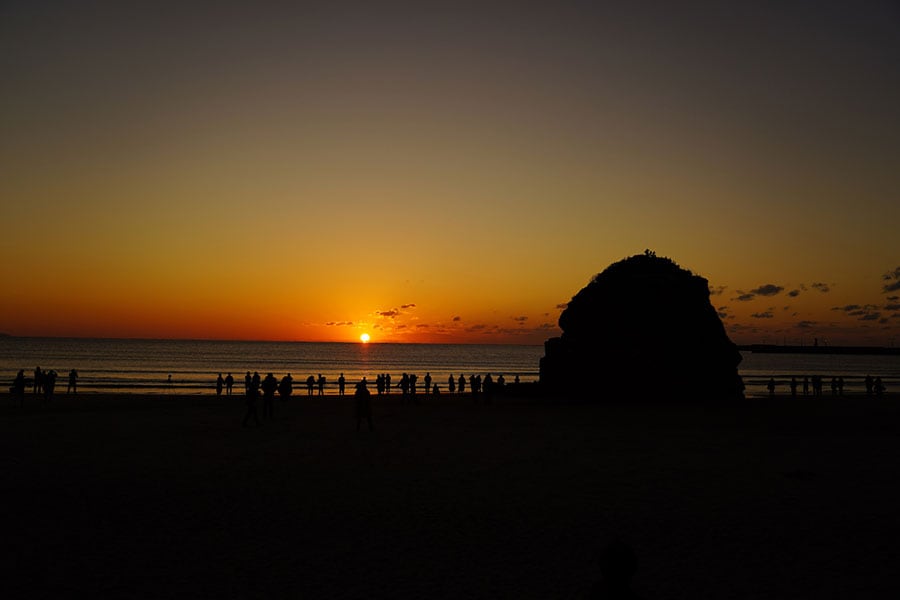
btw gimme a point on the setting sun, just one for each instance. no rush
(364, 338)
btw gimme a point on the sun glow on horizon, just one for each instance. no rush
(364, 338)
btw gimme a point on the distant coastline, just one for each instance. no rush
(775, 349)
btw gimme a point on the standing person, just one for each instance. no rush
(229, 383)
(488, 388)
(49, 384)
(363, 403)
(38, 381)
(771, 387)
(462, 384)
(793, 387)
(286, 387)
(248, 381)
(387, 383)
(342, 384)
(269, 385)
(18, 387)
(220, 383)
(251, 396)
(321, 383)
(879, 387)
(310, 384)
(73, 382)
(451, 384)
(427, 382)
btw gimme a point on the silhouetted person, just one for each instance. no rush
(793, 387)
(870, 384)
(387, 383)
(229, 383)
(618, 564)
(49, 384)
(516, 380)
(462, 383)
(248, 381)
(771, 387)
(379, 384)
(501, 383)
(310, 384)
(451, 384)
(38, 381)
(18, 387)
(73, 382)
(427, 383)
(286, 387)
(363, 403)
(342, 384)
(413, 378)
(269, 386)
(251, 397)
(321, 383)
(254, 381)
(404, 388)
(878, 386)
(488, 386)
(220, 384)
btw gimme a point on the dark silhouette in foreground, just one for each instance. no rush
(617, 566)
(643, 327)
(18, 387)
(363, 403)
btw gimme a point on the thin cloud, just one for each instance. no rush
(521, 319)
(806, 324)
(872, 316)
(744, 297)
(770, 289)
(793, 293)
(563, 306)
(338, 323)
(717, 290)
(893, 279)
(405, 306)
(762, 315)
(457, 318)
(388, 314)
(822, 287)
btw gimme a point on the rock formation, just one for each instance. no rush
(645, 328)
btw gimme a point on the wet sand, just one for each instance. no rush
(155, 497)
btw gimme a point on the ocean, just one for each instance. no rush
(144, 366)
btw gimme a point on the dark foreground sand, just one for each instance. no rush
(149, 497)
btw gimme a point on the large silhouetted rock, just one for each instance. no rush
(644, 327)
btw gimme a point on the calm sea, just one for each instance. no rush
(145, 365)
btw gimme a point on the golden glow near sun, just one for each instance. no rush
(364, 338)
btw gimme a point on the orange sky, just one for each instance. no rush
(264, 172)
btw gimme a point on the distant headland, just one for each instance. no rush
(775, 349)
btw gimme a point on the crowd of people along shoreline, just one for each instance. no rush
(256, 387)
(813, 386)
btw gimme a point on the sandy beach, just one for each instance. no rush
(155, 497)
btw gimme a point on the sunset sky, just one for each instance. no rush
(444, 172)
